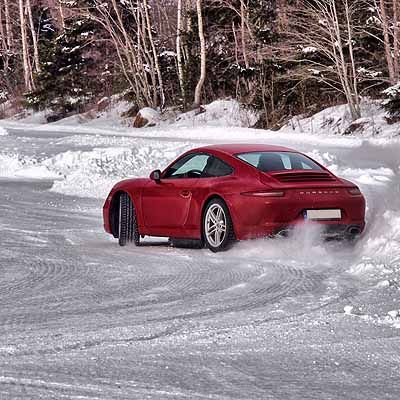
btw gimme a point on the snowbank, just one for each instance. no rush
(3, 132)
(337, 121)
(223, 120)
(91, 173)
(24, 167)
(109, 118)
(221, 113)
(152, 116)
(227, 113)
(31, 117)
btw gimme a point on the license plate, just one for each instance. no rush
(322, 214)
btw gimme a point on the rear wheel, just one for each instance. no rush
(217, 226)
(128, 231)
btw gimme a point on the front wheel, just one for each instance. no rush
(128, 228)
(217, 226)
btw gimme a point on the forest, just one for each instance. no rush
(281, 57)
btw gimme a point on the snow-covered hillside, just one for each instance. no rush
(332, 121)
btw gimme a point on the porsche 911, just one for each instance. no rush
(220, 194)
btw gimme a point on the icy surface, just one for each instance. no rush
(291, 318)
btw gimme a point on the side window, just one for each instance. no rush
(251, 158)
(287, 162)
(268, 161)
(305, 166)
(191, 166)
(216, 167)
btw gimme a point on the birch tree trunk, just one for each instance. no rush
(355, 95)
(386, 38)
(203, 56)
(243, 33)
(9, 32)
(352, 97)
(145, 56)
(181, 76)
(3, 36)
(34, 37)
(62, 16)
(155, 55)
(25, 53)
(396, 39)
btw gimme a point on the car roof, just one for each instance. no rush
(237, 148)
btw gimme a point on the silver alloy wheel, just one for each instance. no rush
(215, 225)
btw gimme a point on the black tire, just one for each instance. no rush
(229, 237)
(128, 231)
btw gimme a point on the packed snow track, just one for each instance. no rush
(292, 318)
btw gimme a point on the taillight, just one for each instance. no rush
(354, 191)
(265, 193)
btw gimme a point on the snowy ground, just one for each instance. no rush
(292, 318)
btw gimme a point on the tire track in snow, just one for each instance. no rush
(270, 284)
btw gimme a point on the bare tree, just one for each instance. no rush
(9, 31)
(387, 44)
(203, 56)
(390, 29)
(243, 19)
(321, 29)
(155, 55)
(3, 36)
(179, 62)
(34, 36)
(62, 15)
(396, 37)
(25, 49)
(134, 45)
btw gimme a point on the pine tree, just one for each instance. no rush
(392, 103)
(62, 83)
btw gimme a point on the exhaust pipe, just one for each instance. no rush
(354, 230)
(284, 233)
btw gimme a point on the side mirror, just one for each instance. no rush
(156, 175)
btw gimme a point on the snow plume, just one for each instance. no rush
(380, 248)
(303, 246)
(3, 132)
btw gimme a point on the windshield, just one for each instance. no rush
(268, 161)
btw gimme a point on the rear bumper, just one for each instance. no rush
(258, 217)
(328, 230)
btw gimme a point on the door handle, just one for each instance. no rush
(186, 194)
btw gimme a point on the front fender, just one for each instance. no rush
(134, 189)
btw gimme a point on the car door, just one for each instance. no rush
(166, 204)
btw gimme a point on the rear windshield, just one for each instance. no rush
(278, 161)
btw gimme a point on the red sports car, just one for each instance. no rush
(222, 193)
